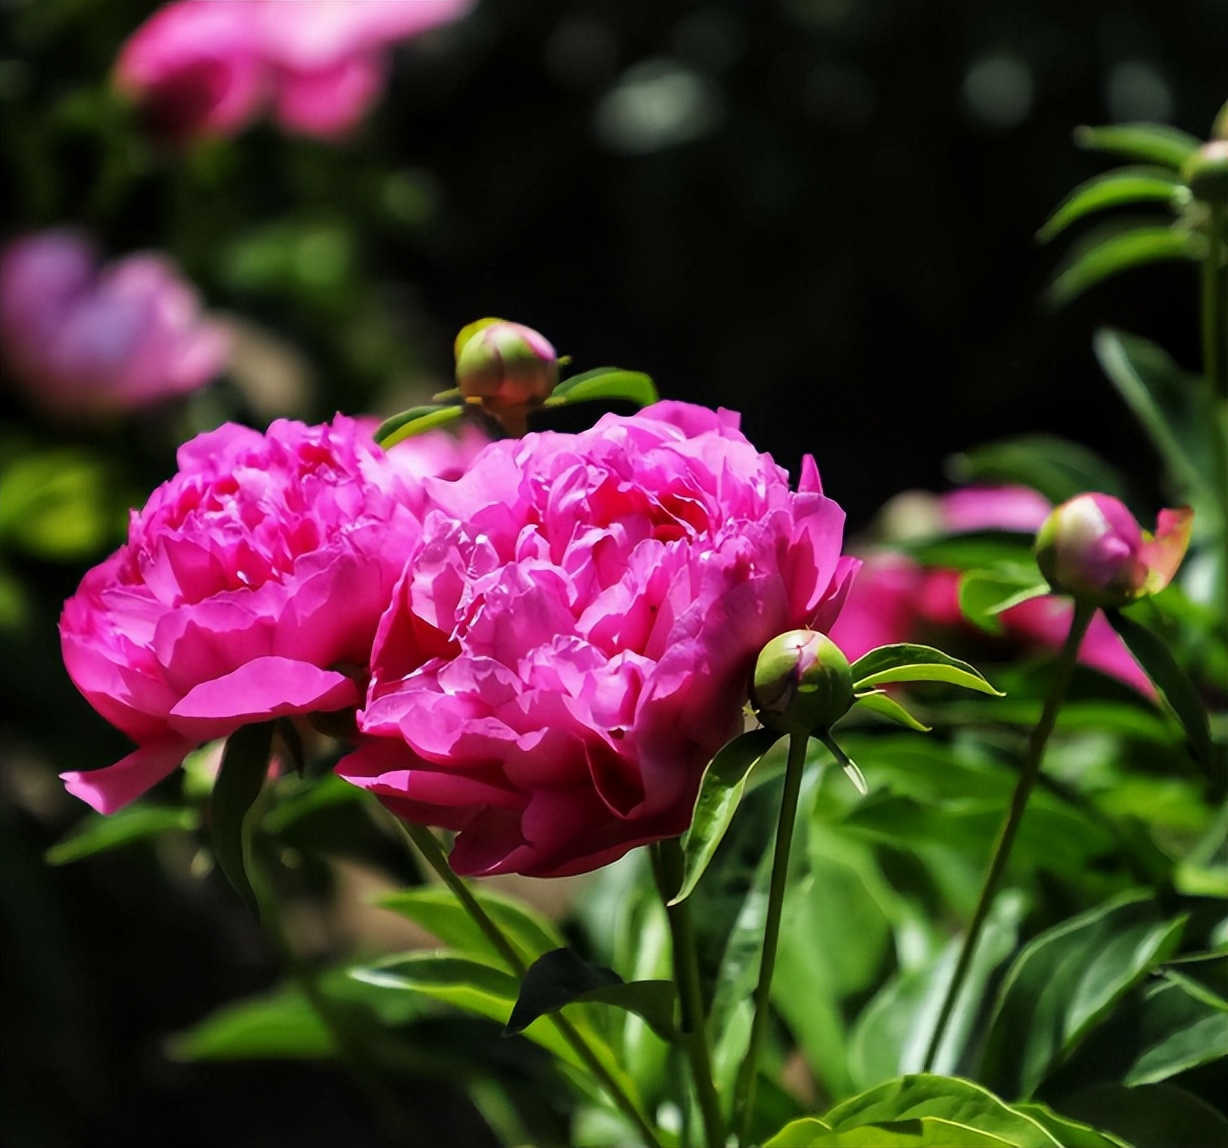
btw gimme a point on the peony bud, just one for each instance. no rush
(507, 368)
(1206, 172)
(1092, 548)
(802, 683)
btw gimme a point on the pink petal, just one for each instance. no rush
(109, 789)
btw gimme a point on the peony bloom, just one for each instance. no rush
(574, 636)
(895, 599)
(211, 67)
(1092, 548)
(250, 588)
(85, 342)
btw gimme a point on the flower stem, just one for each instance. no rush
(668, 867)
(1028, 776)
(437, 859)
(744, 1098)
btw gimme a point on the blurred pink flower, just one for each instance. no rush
(210, 67)
(84, 341)
(895, 599)
(575, 634)
(250, 588)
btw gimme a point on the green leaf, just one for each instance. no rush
(798, 1133)
(282, 1025)
(1069, 1133)
(1181, 1031)
(59, 505)
(1113, 189)
(605, 383)
(98, 833)
(1102, 256)
(908, 662)
(1052, 466)
(985, 594)
(883, 704)
(1149, 1115)
(245, 764)
(415, 421)
(561, 977)
(1150, 143)
(1066, 981)
(720, 793)
(947, 1098)
(1170, 403)
(1153, 654)
(926, 1131)
(438, 911)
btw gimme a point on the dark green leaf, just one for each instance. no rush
(1052, 466)
(1105, 255)
(605, 383)
(1180, 1031)
(883, 704)
(309, 798)
(1069, 1133)
(561, 977)
(908, 662)
(415, 421)
(1150, 143)
(720, 793)
(1065, 982)
(1149, 1115)
(985, 594)
(1154, 656)
(98, 833)
(1113, 189)
(245, 764)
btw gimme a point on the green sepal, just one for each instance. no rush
(984, 594)
(908, 662)
(605, 383)
(1148, 143)
(1119, 249)
(1153, 654)
(245, 764)
(1112, 189)
(99, 833)
(882, 703)
(415, 421)
(720, 793)
(561, 978)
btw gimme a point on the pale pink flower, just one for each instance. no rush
(84, 341)
(575, 634)
(250, 588)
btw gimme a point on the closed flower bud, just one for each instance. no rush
(1206, 172)
(1092, 548)
(508, 368)
(802, 683)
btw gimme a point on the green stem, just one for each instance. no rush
(744, 1097)
(437, 859)
(668, 866)
(1028, 776)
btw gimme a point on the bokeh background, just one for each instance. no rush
(821, 213)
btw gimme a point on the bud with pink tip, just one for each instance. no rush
(508, 368)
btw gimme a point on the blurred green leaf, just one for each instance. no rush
(605, 383)
(1178, 1030)
(1107, 251)
(415, 421)
(560, 977)
(245, 765)
(59, 505)
(1052, 466)
(279, 1026)
(909, 662)
(986, 594)
(1066, 981)
(720, 793)
(99, 833)
(1149, 1115)
(1151, 143)
(1126, 185)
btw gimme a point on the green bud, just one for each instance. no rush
(1206, 172)
(507, 368)
(802, 683)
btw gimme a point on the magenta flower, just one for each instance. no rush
(895, 599)
(575, 633)
(85, 342)
(1092, 548)
(250, 588)
(211, 67)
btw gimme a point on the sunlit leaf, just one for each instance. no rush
(415, 421)
(1150, 143)
(1126, 185)
(908, 662)
(98, 833)
(605, 383)
(1069, 1133)
(1105, 255)
(883, 704)
(720, 793)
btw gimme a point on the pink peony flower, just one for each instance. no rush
(211, 67)
(85, 342)
(895, 599)
(575, 633)
(250, 588)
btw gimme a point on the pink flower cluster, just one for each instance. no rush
(895, 599)
(211, 67)
(86, 342)
(558, 633)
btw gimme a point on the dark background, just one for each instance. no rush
(819, 212)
